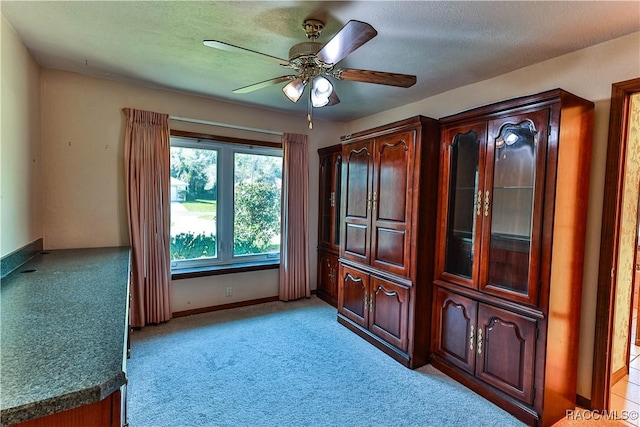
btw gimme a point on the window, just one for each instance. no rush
(225, 203)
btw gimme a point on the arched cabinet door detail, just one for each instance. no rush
(506, 351)
(455, 329)
(389, 307)
(353, 299)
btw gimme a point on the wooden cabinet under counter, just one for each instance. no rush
(64, 326)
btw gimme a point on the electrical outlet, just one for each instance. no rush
(228, 291)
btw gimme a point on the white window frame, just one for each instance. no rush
(224, 206)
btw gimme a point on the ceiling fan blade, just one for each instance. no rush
(262, 85)
(231, 48)
(377, 77)
(353, 35)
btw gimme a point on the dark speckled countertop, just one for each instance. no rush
(63, 331)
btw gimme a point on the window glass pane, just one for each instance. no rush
(256, 203)
(194, 194)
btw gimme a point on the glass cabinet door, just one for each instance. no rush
(337, 180)
(462, 201)
(512, 205)
(325, 199)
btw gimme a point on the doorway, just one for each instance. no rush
(624, 394)
(613, 352)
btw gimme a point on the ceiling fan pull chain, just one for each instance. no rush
(310, 108)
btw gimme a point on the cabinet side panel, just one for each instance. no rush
(105, 413)
(569, 234)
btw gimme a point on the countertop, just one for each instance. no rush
(63, 331)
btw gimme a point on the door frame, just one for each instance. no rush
(609, 237)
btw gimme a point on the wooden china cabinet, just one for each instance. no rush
(329, 222)
(510, 247)
(388, 210)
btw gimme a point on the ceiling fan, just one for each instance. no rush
(314, 62)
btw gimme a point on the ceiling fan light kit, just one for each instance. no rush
(315, 62)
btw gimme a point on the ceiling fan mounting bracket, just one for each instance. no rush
(313, 28)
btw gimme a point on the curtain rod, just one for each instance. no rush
(224, 125)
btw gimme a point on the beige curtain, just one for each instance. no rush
(147, 169)
(294, 254)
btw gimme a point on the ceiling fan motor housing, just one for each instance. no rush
(304, 49)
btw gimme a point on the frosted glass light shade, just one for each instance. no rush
(293, 90)
(321, 91)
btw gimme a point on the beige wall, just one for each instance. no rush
(83, 149)
(20, 160)
(588, 73)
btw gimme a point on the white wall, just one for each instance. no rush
(20, 160)
(84, 190)
(588, 73)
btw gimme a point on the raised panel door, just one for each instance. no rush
(392, 202)
(506, 345)
(353, 295)
(513, 199)
(454, 329)
(389, 311)
(356, 197)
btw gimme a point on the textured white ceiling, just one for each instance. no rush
(446, 44)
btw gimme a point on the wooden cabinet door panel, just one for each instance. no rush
(356, 197)
(393, 202)
(389, 305)
(454, 328)
(506, 351)
(390, 249)
(353, 295)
